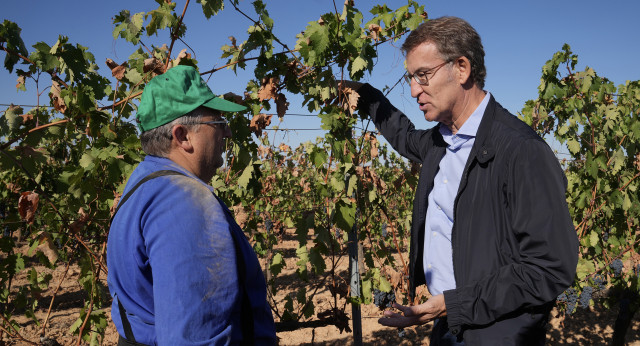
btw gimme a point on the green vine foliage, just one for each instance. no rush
(64, 164)
(598, 123)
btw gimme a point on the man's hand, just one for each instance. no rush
(415, 315)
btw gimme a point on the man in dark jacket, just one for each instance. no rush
(492, 236)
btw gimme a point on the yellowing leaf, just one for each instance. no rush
(358, 65)
(573, 146)
(593, 238)
(626, 204)
(277, 263)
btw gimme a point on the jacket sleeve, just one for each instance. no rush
(396, 127)
(535, 195)
(192, 254)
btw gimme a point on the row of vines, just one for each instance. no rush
(64, 164)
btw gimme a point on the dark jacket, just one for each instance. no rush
(514, 244)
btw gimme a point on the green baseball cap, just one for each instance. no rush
(175, 93)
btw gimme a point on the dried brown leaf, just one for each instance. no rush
(111, 64)
(240, 215)
(375, 31)
(182, 55)
(350, 101)
(114, 206)
(374, 146)
(233, 42)
(77, 225)
(265, 152)
(281, 105)
(395, 277)
(54, 93)
(27, 206)
(259, 123)
(48, 248)
(26, 117)
(117, 70)
(268, 89)
(284, 148)
(14, 188)
(21, 81)
(153, 65)
(233, 98)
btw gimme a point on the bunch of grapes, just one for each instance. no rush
(571, 298)
(616, 265)
(382, 299)
(384, 230)
(562, 298)
(268, 224)
(585, 297)
(600, 281)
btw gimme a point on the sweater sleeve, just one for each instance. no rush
(394, 125)
(547, 244)
(191, 251)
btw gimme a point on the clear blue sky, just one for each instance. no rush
(518, 36)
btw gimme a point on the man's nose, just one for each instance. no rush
(416, 89)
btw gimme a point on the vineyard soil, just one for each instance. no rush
(592, 326)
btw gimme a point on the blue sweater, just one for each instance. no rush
(173, 266)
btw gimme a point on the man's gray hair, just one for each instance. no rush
(157, 141)
(454, 37)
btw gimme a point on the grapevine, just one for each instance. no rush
(64, 164)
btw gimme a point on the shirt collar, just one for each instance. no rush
(470, 127)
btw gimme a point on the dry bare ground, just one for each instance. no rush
(585, 327)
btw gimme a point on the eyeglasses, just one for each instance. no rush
(421, 77)
(214, 122)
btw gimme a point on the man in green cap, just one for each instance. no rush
(181, 271)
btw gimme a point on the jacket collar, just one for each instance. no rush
(483, 148)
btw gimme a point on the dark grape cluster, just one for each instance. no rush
(605, 235)
(268, 224)
(569, 296)
(382, 299)
(384, 230)
(585, 297)
(616, 265)
(600, 281)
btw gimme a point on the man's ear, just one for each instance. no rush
(463, 68)
(181, 138)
